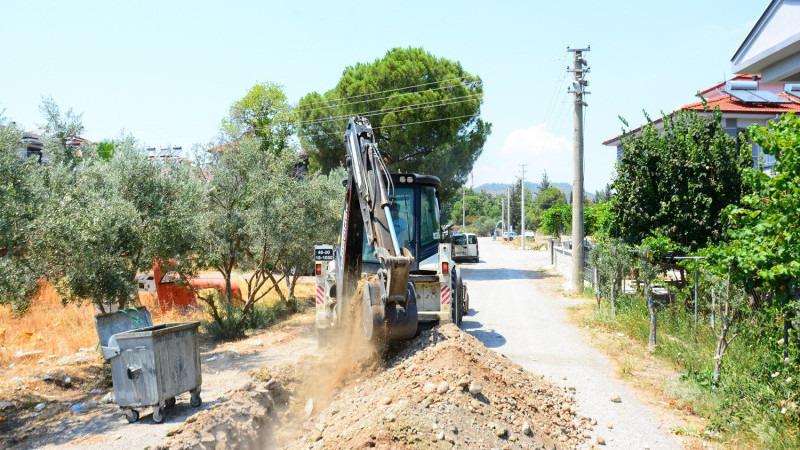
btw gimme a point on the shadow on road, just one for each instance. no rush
(503, 274)
(488, 337)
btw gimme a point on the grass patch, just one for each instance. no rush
(749, 406)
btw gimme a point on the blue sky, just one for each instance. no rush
(167, 71)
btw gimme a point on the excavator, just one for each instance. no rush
(390, 249)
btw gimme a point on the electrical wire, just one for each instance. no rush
(323, 133)
(461, 79)
(411, 107)
(340, 105)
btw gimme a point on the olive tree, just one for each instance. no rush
(104, 221)
(262, 220)
(21, 199)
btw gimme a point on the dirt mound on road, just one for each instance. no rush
(440, 389)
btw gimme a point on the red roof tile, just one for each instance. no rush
(729, 104)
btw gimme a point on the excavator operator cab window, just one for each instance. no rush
(420, 236)
(402, 209)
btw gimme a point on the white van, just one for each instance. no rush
(465, 247)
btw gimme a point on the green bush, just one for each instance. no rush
(226, 326)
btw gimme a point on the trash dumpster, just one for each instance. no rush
(150, 364)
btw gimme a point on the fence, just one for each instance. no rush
(561, 260)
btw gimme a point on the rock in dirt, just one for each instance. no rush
(475, 388)
(616, 398)
(600, 440)
(442, 388)
(309, 409)
(526, 428)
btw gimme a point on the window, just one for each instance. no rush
(429, 225)
(402, 209)
(473, 239)
(459, 239)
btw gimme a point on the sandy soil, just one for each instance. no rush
(225, 368)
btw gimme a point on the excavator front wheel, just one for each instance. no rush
(371, 320)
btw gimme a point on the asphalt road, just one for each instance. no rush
(515, 311)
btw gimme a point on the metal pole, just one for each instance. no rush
(696, 271)
(522, 208)
(508, 210)
(502, 217)
(577, 165)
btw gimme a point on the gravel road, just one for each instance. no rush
(516, 309)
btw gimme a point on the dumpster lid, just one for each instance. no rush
(126, 319)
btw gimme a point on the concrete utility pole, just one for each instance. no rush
(502, 216)
(463, 209)
(578, 89)
(522, 207)
(509, 209)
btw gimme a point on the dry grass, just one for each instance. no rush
(48, 326)
(303, 289)
(56, 329)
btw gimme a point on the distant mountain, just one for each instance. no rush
(500, 188)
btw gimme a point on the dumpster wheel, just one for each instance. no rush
(132, 415)
(158, 414)
(195, 400)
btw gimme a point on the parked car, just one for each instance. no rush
(465, 247)
(509, 236)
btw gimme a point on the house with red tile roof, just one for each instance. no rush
(743, 100)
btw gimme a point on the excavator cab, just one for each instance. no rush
(415, 215)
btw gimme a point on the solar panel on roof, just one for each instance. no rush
(748, 92)
(793, 90)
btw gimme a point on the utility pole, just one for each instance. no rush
(578, 89)
(463, 209)
(522, 207)
(508, 209)
(503, 217)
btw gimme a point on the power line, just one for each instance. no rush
(389, 126)
(462, 79)
(411, 106)
(554, 94)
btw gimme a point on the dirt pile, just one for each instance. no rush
(441, 389)
(244, 419)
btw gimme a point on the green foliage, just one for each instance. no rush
(516, 203)
(105, 150)
(263, 113)
(549, 197)
(411, 138)
(103, 221)
(263, 220)
(613, 262)
(557, 220)
(225, 326)
(765, 238)
(58, 129)
(677, 181)
(482, 211)
(21, 195)
(598, 220)
(545, 183)
(658, 245)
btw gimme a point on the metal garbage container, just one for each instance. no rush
(151, 364)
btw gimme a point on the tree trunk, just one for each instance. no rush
(651, 345)
(614, 298)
